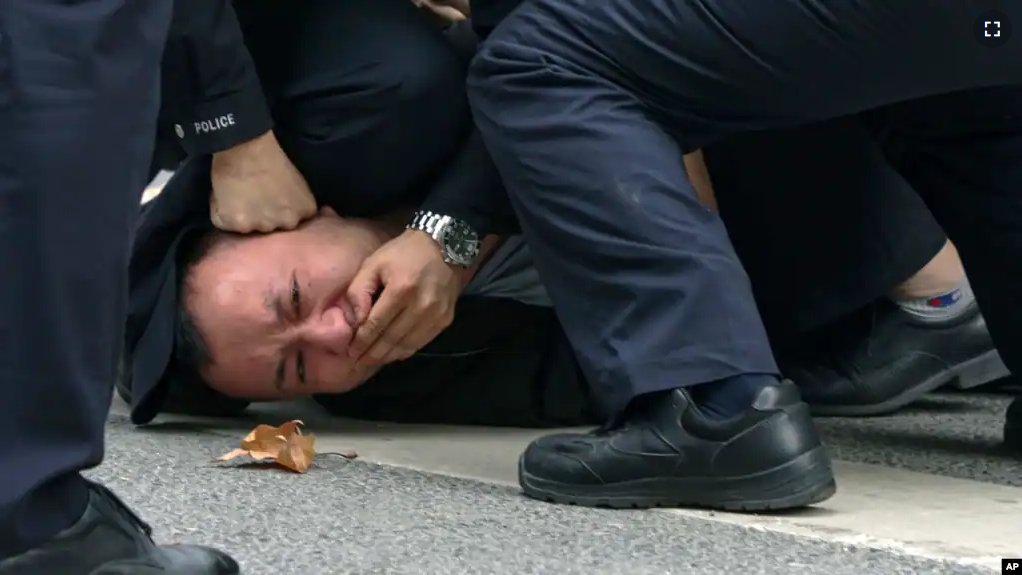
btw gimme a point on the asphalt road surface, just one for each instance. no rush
(362, 517)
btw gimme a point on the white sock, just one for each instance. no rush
(942, 306)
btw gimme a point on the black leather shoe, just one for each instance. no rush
(884, 359)
(111, 540)
(666, 453)
(1013, 425)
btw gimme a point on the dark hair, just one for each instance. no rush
(188, 392)
(190, 349)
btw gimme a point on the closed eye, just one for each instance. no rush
(296, 306)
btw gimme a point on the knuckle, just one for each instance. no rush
(403, 286)
(427, 305)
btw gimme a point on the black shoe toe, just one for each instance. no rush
(198, 559)
(559, 458)
(882, 359)
(665, 453)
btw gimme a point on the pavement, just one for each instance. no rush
(928, 490)
(925, 491)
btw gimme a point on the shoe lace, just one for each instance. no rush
(121, 507)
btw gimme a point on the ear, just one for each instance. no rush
(328, 212)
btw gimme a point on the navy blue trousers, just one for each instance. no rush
(79, 93)
(587, 107)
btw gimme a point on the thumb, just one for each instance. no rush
(214, 212)
(363, 287)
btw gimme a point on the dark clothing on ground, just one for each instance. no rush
(79, 94)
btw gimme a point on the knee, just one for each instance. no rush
(432, 91)
(425, 117)
(480, 78)
(409, 108)
(419, 89)
(501, 66)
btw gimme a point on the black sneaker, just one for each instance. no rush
(111, 540)
(884, 358)
(1013, 425)
(666, 453)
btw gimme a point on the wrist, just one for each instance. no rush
(463, 273)
(246, 153)
(425, 238)
(457, 241)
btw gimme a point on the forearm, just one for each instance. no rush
(470, 189)
(211, 91)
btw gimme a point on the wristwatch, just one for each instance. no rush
(458, 242)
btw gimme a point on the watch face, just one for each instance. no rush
(461, 243)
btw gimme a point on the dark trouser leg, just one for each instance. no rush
(554, 76)
(78, 102)
(586, 109)
(827, 228)
(642, 276)
(821, 221)
(962, 152)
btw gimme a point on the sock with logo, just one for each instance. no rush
(730, 396)
(939, 307)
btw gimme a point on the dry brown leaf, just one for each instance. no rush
(285, 445)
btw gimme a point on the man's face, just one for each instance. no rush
(273, 309)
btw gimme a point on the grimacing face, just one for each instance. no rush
(273, 309)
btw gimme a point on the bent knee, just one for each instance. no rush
(432, 90)
(390, 124)
(428, 88)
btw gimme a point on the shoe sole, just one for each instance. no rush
(801, 482)
(966, 375)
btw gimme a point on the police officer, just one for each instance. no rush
(586, 107)
(79, 98)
